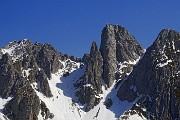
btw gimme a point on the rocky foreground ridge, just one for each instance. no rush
(119, 79)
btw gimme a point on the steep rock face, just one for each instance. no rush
(10, 78)
(115, 59)
(43, 83)
(91, 83)
(47, 58)
(155, 80)
(21, 64)
(25, 105)
(117, 46)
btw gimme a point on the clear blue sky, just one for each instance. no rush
(71, 25)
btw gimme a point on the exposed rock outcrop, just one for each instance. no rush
(43, 84)
(155, 80)
(47, 58)
(91, 83)
(117, 46)
(10, 78)
(24, 106)
(21, 64)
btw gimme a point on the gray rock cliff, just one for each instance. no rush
(112, 62)
(21, 64)
(117, 46)
(91, 83)
(155, 80)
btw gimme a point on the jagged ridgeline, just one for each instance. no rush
(22, 64)
(118, 80)
(112, 62)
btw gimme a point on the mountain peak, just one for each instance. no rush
(167, 38)
(168, 34)
(117, 46)
(94, 47)
(156, 78)
(38, 82)
(115, 28)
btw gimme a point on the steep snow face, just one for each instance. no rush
(100, 112)
(64, 104)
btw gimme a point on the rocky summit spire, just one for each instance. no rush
(117, 46)
(91, 83)
(156, 79)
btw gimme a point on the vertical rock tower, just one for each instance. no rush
(117, 46)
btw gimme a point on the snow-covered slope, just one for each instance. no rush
(64, 104)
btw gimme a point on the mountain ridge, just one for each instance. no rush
(118, 80)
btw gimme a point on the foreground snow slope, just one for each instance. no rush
(64, 105)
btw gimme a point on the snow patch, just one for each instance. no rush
(135, 61)
(122, 67)
(134, 117)
(88, 85)
(9, 50)
(164, 60)
(15, 50)
(3, 102)
(3, 117)
(134, 114)
(164, 64)
(26, 73)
